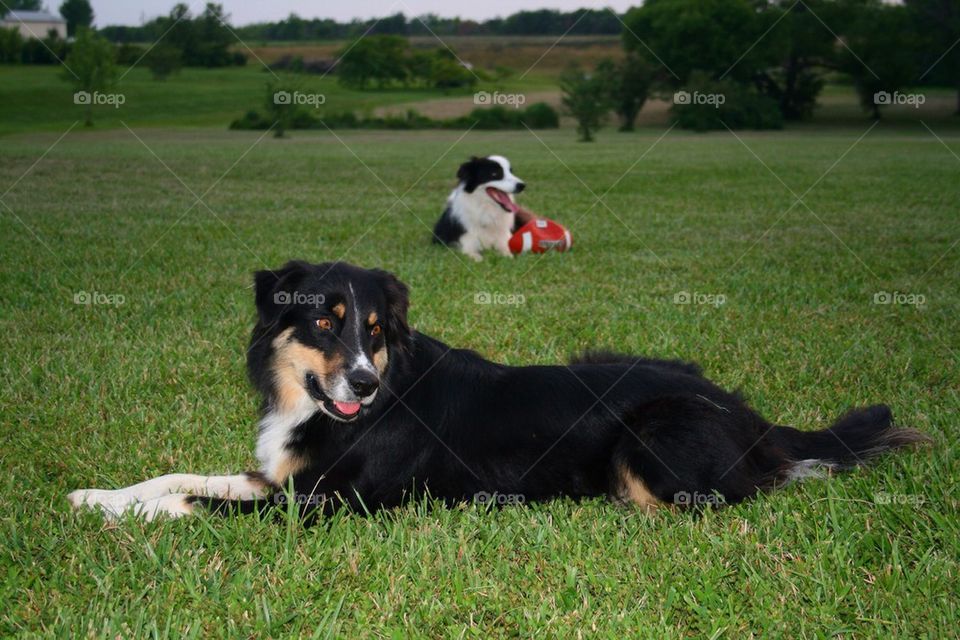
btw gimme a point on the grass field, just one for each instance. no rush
(107, 394)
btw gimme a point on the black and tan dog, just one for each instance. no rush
(360, 410)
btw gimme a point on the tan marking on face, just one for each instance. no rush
(292, 360)
(372, 318)
(380, 359)
(340, 309)
(288, 466)
(632, 489)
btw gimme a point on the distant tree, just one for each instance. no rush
(212, 37)
(677, 37)
(163, 60)
(378, 60)
(91, 58)
(586, 98)
(628, 83)
(23, 5)
(801, 47)
(938, 23)
(880, 53)
(77, 13)
(11, 45)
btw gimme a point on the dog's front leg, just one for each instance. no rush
(171, 494)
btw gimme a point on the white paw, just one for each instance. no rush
(114, 500)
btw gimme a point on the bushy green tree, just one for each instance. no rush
(378, 60)
(11, 45)
(77, 13)
(163, 60)
(937, 22)
(91, 67)
(678, 37)
(880, 53)
(628, 82)
(586, 97)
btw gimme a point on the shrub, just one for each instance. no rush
(129, 54)
(540, 115)
(587, 98)
(704, 105)
(163, 60)
(11, 45)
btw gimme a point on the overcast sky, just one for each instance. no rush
(242, 12)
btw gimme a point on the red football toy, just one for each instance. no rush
(540, 235)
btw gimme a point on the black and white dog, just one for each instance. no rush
(481, 211)
(361, 411)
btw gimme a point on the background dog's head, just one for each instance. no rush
(493, 176)
(325, 336)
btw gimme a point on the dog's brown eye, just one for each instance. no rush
(375, 331)
(324, 324)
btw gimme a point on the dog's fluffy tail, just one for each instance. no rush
(853, 440)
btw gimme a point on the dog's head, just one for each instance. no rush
(493, 176)
(325, 336)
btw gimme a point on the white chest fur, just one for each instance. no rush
(276, 429)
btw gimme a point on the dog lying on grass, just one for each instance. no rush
(359, 410)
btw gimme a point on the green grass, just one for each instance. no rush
(106, 396)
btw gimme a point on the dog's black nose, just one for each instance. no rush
(363, 382)
(520, 187)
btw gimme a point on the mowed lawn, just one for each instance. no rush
(107, 394)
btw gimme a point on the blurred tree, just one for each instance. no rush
(22, 5)
(11, 45)
(163, 60)
(77, 13)
(587, 98)
(628, 83)
(938, 23)
(677, 37)
(880, 53)
(91, 59)
(376, 60)
(801, 48)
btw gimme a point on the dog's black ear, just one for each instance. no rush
(398, 301)
(467, 173)
(273, 290)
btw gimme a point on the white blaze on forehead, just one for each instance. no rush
(361, 361)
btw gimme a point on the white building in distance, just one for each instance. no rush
(35, 24)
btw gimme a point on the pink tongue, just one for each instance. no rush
(503, 199)
(347, 408)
